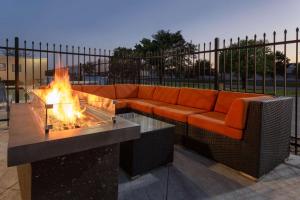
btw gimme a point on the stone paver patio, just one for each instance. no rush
(190, 177)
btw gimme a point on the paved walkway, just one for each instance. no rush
(190, 177)
(9, 186)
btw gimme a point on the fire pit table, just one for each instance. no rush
(80, 163)
(153, 149)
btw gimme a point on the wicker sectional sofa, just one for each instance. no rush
(248, 132)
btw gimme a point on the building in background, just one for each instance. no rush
(33, 71)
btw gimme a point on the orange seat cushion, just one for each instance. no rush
(124, 91)
(146, 91)
(121, 104)
(107, 91)
(166, 94)
(124, 103)
(76, 87)
(176, 112)
(145, 106)
(237, 114)
(225, 99)
(197, 98)
(215, 122)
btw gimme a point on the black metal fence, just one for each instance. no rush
(246, 65)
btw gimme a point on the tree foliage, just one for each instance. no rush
(168, 54)
(162, 41)
(124, 64)
(264, 58)
(164, 53)
(89, 68)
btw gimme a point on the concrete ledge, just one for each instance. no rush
(28, 142)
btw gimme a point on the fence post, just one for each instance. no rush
(216, 52)
(139, 64)
(79, 73)
(16, 69)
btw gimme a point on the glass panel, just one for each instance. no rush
(147, 123)
(51, 119)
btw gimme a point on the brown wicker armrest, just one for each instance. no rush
(267, 133)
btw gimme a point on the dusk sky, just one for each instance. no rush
(108, 24)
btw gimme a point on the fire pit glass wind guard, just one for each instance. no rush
(91, 116)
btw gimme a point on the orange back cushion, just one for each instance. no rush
(225, 99)
(89, 88)
(166, 94)
(107, 91)
(197, 98)
(124, 91)
(76, 87)
(146, 92)
(237, 114)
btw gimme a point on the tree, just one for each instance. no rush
(172, 46)
(169, 49)
(162, 41)
(89, 68)
(280, 57)
(203, 67)
(165, 54)
(264, 56)
(124, 64)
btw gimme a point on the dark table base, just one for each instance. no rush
(153, 149)
(91, 174)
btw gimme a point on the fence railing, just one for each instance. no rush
(245, 65)
(24, 67)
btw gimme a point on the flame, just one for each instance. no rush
(66, 105)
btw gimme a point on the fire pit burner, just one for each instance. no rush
(57, 107)
(49, 122)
